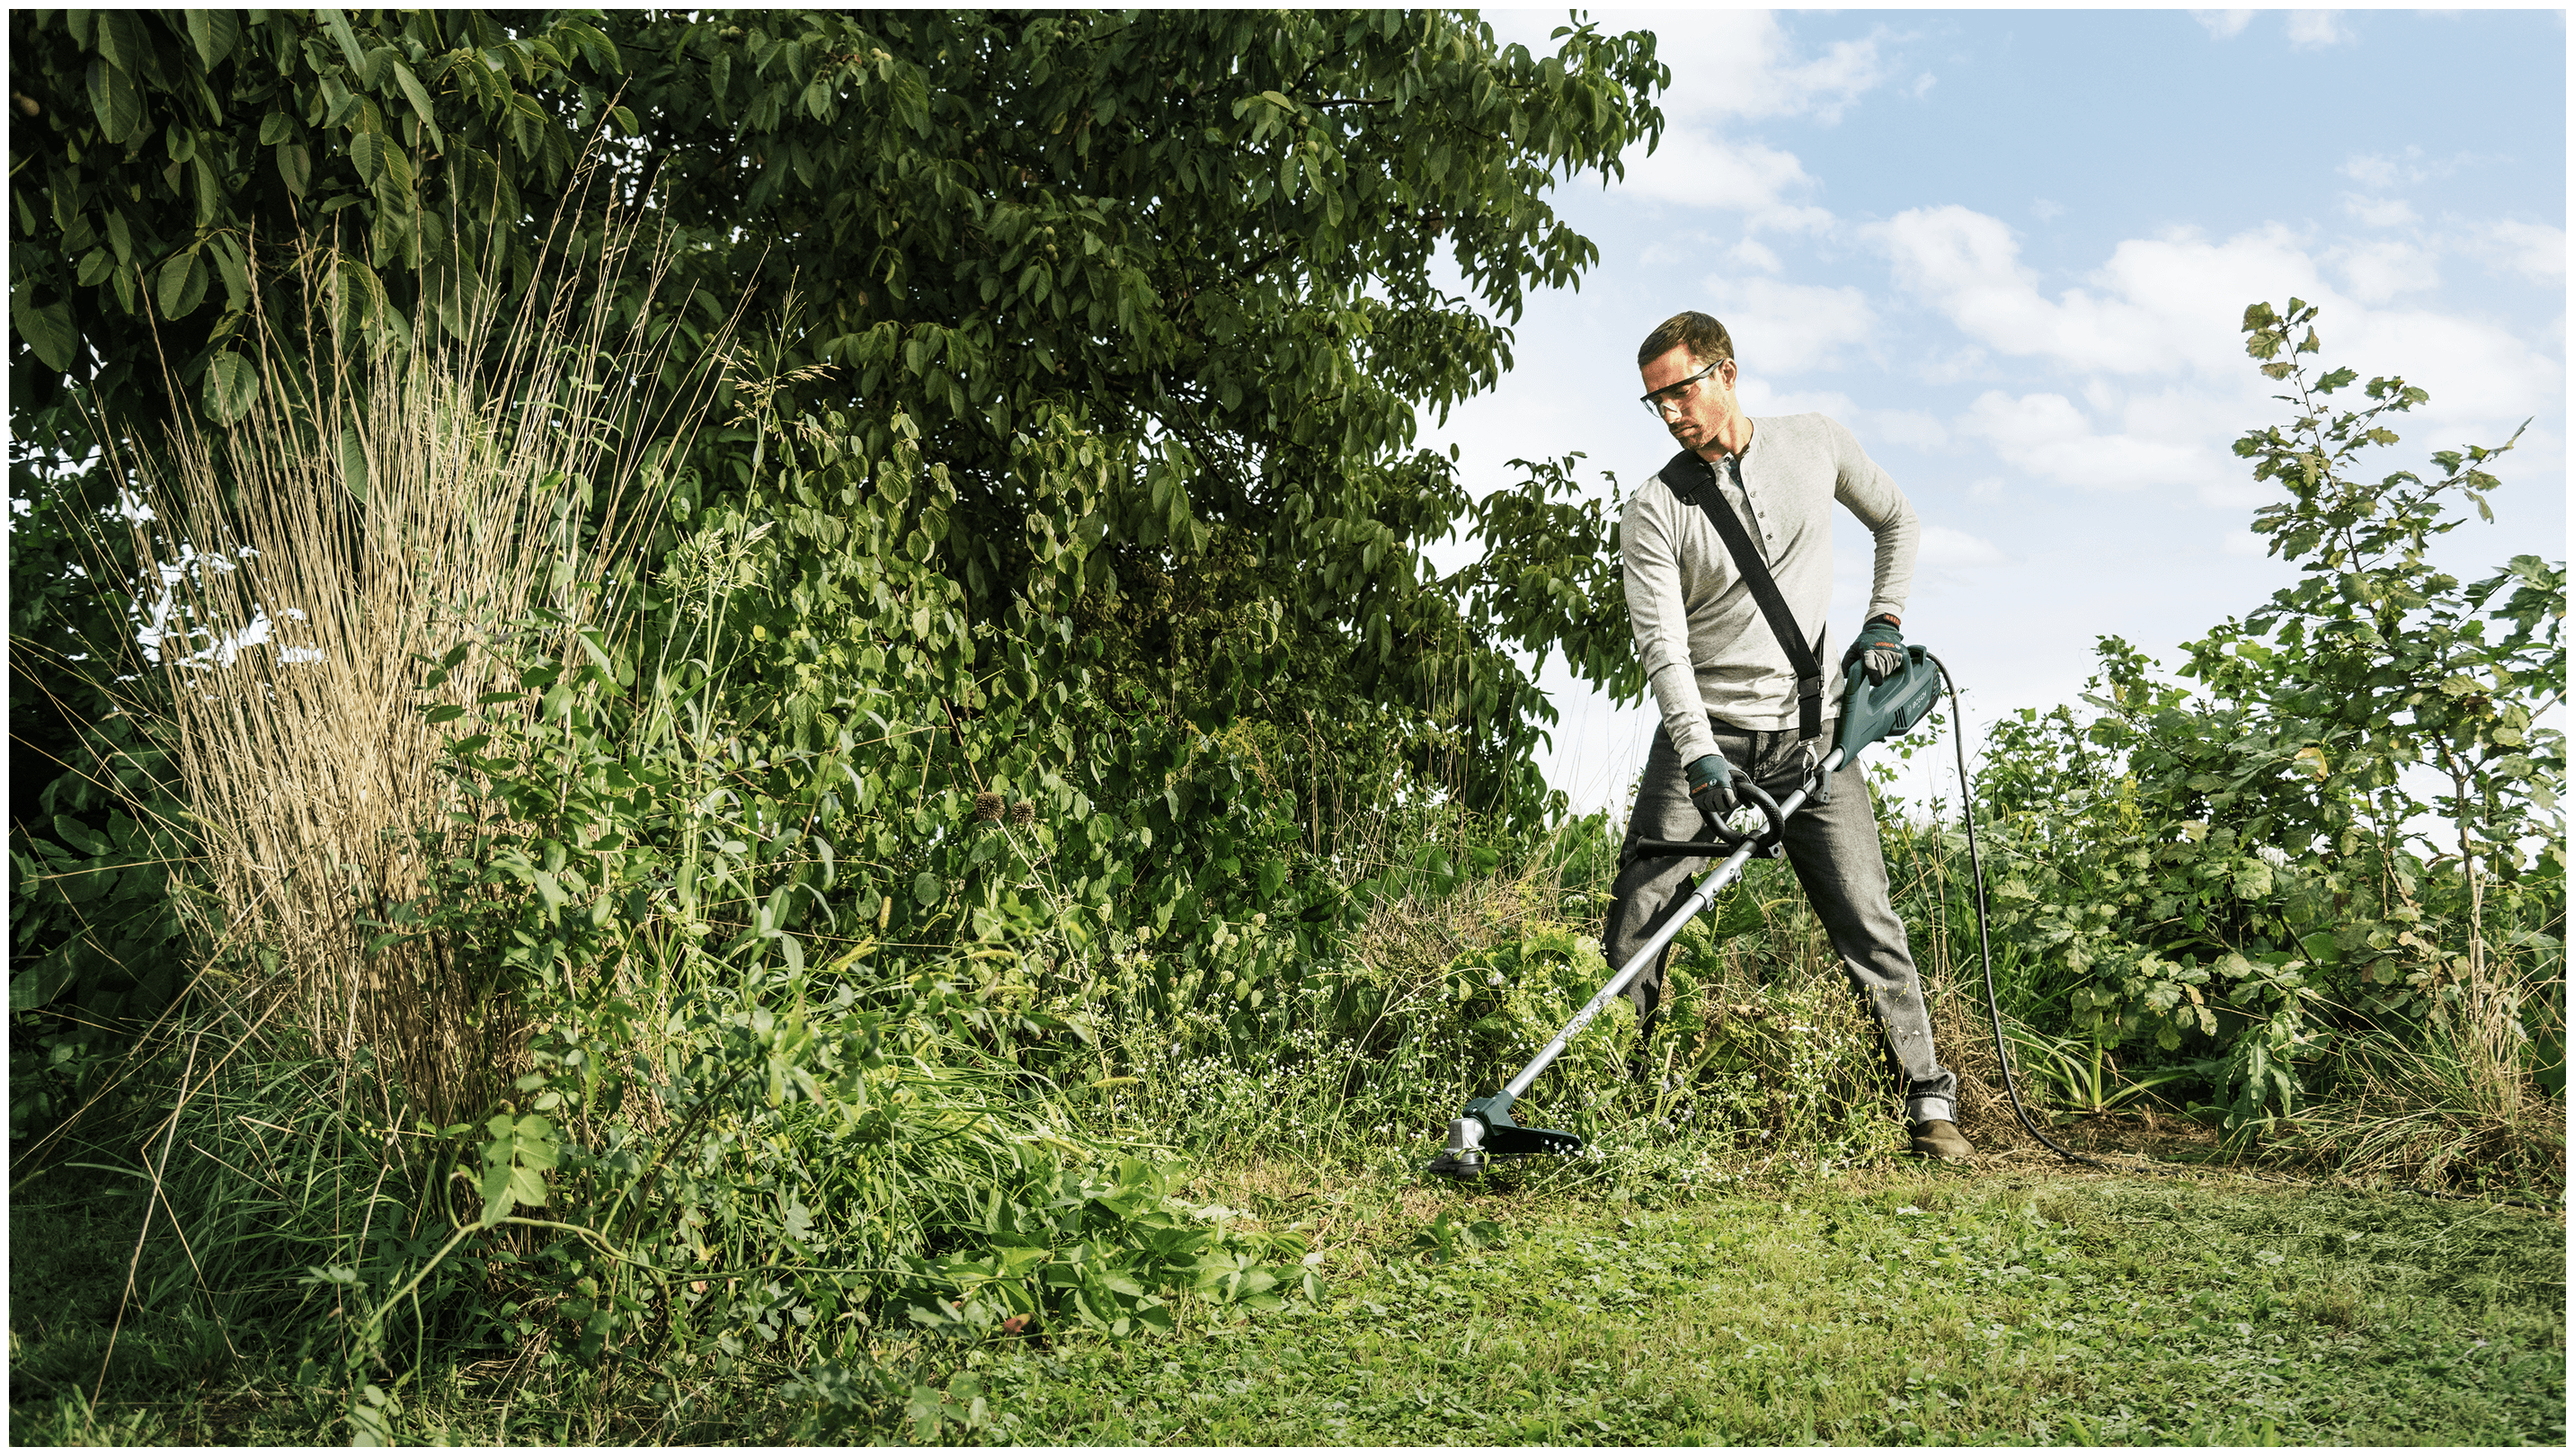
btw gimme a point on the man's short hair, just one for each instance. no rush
(1703, 335)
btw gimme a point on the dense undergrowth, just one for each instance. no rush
(813, 1014)
(772, 930)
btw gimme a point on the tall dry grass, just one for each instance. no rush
(384, 501)
(2457, 1104)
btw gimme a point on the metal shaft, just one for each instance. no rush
(1719, 879)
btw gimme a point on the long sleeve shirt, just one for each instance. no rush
(1704, 644)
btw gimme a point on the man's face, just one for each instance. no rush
(1694, 416)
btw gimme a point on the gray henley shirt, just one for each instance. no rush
(1702, 638)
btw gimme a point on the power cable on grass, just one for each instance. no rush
(1984, 939)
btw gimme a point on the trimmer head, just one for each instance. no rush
(1487, 1131)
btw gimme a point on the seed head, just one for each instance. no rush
(988, 807)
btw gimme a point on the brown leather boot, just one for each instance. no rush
(1939, 1139)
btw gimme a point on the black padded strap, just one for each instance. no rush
(1693, 480)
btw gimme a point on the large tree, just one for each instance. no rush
(1213, 242)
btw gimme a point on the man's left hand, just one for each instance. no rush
(1879, 649)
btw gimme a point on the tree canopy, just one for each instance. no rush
(1157, 297)
(1218, 237)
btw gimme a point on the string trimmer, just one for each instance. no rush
(1871, 712)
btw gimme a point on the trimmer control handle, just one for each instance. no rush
(1724, 838)
(1769, 842)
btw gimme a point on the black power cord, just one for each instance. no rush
(1985, 939)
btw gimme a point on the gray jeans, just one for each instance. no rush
(1834, 848)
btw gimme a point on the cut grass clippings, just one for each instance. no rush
(1893, 1307)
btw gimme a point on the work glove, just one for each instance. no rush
(1711, 787)
(1879, 649)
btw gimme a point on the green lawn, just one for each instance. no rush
(1893, 1308)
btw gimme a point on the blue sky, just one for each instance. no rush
(2010, 249)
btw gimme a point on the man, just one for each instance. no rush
(1732, 696)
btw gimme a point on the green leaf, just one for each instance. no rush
(121, 39)
(337, 22)
(80, 835)
(494, 1189)
(234, 270)
(418, 98)
(47, 330)
(352, 462)
(517, 1153)
(40, 983)
(182, 286)
(116, 102)
(215, 32)
(232, 386)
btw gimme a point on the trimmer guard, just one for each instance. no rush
(1487, 1131)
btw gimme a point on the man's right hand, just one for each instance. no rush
(1711, 787)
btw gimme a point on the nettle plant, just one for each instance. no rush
(2240, 870)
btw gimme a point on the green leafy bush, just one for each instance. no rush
(2244, 879)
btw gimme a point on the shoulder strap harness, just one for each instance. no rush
(1695, 482)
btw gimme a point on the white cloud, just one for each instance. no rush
(2377, 271)
(1955, 364)
(1698, 170)
(1783, 328)
(2046, 211)
(2401, 169)
(1916, 429)
(2251, 546)
(2143, 383)
(2223, 24)
(2310, 29)
(2482, 378)
(2379, 212)
(1944, 547)
(2047, 437)
(1761, 398)
(1752, 253)
(2161, 303)
(2161, 307)
(1732, 66)
(2533, 250)
(1744, 63)
(1990, 489)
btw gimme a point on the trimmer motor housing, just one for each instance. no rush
(1883, 711)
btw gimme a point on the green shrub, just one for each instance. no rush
(2235, 885)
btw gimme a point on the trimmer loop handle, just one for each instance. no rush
(1766, 841)
(1722, 838)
